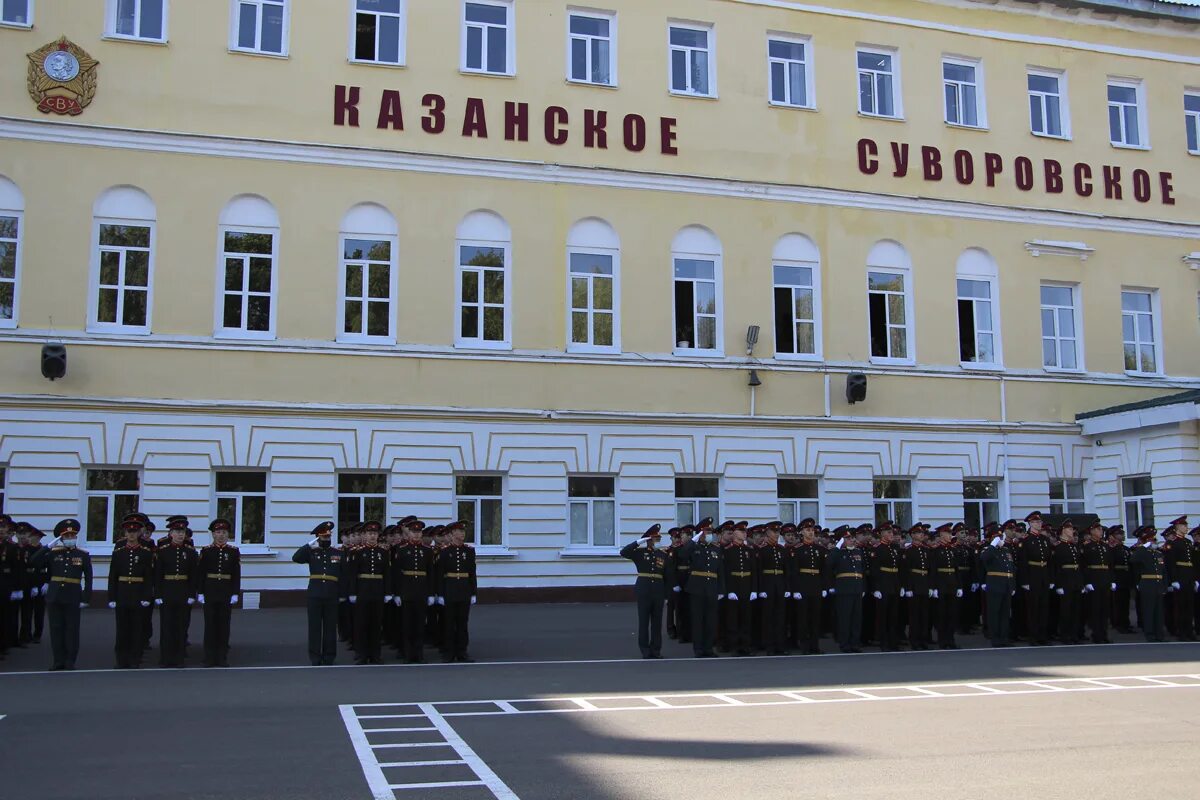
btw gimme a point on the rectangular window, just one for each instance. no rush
(1060, 337)
(247, 284)
(878, 83)
(260, 26)
(798, 499)
(962, 85)
(368, 286)
(1048, 112)
(487, 38)
(592, 505)
(697, 498)
(887, 303)
(976, 323)
(893, 501)
(695, 304)
(16, 12)
(109, 494)
(1191, 121)
(593, 300)
(795, 310)
(479, 501)
(692, 61)
(981, 502)
(790, 72)
(138, 19)
(125, 262)
(591, 48)
(242, 499)
(1067, 496)
(361, 496)
(379, 31)
(1137, 499)
(10, 249)
(483, 288)
(1138, 332)
(1126, 116)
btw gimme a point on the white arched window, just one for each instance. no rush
(593, 287)
(696, 260)
(12, 222)
(796, 267)
(247, 274)
(977, 279)
(367, 284)
(889, 304)
(122, 274)
(484, 251)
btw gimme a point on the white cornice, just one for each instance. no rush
(15, 128)
(1040, 247)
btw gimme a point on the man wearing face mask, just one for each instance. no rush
(1150, 570)
(68, 591)
(998, 570)
(218, 584)
(654, 571)
(324, 577)
(130, 590)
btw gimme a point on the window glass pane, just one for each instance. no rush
(110, 267)
(678, 70)
(1122, 94)
(591, 264)
(603, 334)
(1043, 83)
(6, 300)
(884, 92)
(125, 12)
(590, 486)
(472, 256)
(254, 519)
(589, 26)
(885, 281)
(1147, 359)
(493, 324)
(378, 319)
(133, 310)
(258, 313)
(690, 268)
(797, 84)
(491, 523)
(1066, 322)
(362, 483)
(579, 523)
(803, 488)
(896, 309)
(152, 13)
(379, 284)
(793, 51)
(600, 61)
(709, 508)
(470, 287)
(602, 298)
(958, 72)
(696, 487)
(474, 48)
(493, 286)
(8, 228)
(137, 268)
(793, 276)
(496, 15)
(497, 48)
(875, 61)
(272, 35)
(778, 84)
(241, 242)
(247, 26)
(478, 485)
(579, 54)
(686, 37)
(1132, 132)
(603, 522)
(804, 303)
(97, 519)
(1191, 102)
(706, 333)
(112, 480)
(579, 327)
(1135, 301)
(364, 36)
(389, 40)
(241, 481)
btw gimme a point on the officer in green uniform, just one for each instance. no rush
(653, 572)
(1150, 573)
(998, 579)
(846, 569)
(325, 564)
(68, 591)
(705, 586)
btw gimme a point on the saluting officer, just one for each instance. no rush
(369, 591)
(846, 569)
(650, 588)
(1150, 572)
(130, 590)
(1033, 573)
(885, 582)
(174, 590)
(325, 566)
(1098, 582)
(1179, 554)
(1068, 585)
(705, 586)
(412, 567)
(457, 588)
(218, 585)
(69, 589)
(999, 582)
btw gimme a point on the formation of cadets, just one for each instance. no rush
(778, 588)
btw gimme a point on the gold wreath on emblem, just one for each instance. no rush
(68, 97)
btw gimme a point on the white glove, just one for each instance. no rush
(787, 595)
(441, 601)
(754, 595)
(1170, 588)
(191, 600)
(353, 599)
(158, 601)
(677, 589)
(1052, 586)
(45, 588)
(933, 593)
(1087, 587)
(908, 593)
(983, 586)
(831, 591)
(396, 600)
(797, 596)
(17, 595)
(1014, 594)
(311, 542)
(825, 593)
(144, 603)
(1059, 591)
(732, 596)
(200, 599)
(720, 597)
(33, 592)
(83, 605)
(1025, 586)
(877, 595)
(974, 587)
(958, 592)
(431, 601)
(111, 604)
(1175, 585)
(233, 600)
(387, 598)
(1112, 588)
(472, 599)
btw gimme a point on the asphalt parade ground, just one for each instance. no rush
(558, 706)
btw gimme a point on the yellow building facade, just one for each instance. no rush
(569, 271)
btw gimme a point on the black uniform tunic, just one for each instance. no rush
(1033, 570)
(369, 575)
(131, 587)
(917, 564)
(945, 582)
(773, 583)
(412, 572)
(457, 585)
(1098, 600)
(706, 582)
(1179, 555)
(1151, 576)
(808, 590)
(885, 579)
(174, 586)
(218, 578)
(741, 581)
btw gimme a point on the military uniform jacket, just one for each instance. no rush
(219, 572)
(944, 563)
(681, 560)
(456, 578)
(654, 569)
(1149, 569)
(1179, 555)
(1065, 571)
(997, 568)
(1033, 562)
(1118, 562)
(741, 570)
(70, 574)
(808, 570)
(35, 574)
(370, 572)
(131, 576)
(774, 570)
(324, 570)
(966, 559)
(10, 568)
(175, 573)
(885, 570)
(1094, 563)
(412, 571)
(707, 576)
(917, 563)
(847, 568)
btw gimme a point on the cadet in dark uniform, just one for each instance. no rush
(325, 568)
(370, 589)
(946, 589)
(774, 591)
(679, 608)
(174, 590)
(653, 572)
(349, 538)
(457, 587)
(1033, 574)
(808, 587)
(998, 576)
(412, 568)
(33, 607)
(10, 581)
(69, 590)
(705, 586)
(741, 589)
(218, 584)
(917, 588)
(1179, 555)
(1118, 562)
(885, 587)
(1150, 573)
(1068, 583)
(1098, 583)
(130, 590)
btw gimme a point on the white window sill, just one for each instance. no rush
(1059, 137)
(1136, 374)
(964, 127)
(377, 341)
(116, 330)
(811, 358)
(977, 366)
(235, 333)
(691, 95)
(885, 117)
(243, 52)
(1063, 371)
(1194, 152)
(580, 551)
(483, 73)
(893, 362)
(1123, 146)
(8, 323)
(691, 352)
(478, 344)
(116, 37)
(22, 26)
(792, 106)
(358, 62)
(255, 550)
(493, 551)
(593, 84)
(595, 350)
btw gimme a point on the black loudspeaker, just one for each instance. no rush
(856, 388)
(54, 361)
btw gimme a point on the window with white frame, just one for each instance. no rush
(109, 495)
(1138, 331)
(487, 45)
(592, 505)
(889, 303)
(123, 261)
(1060, 322)
(879, 83)
(145, 20)
(11, 223)
(797, 274)
(799, 499)
(981, 502)
(1191, 121)
(379, 32)
(790, 71)
(978, 323)
(1067, 496)
(1049, 114)
(242, 499)
(479, 502)
(361, 497)
(962, 86)
(893, 501)
(483, 244)
(593, 265)
(1137, 500)
(368, 275)
(260, 26)
(697, 498)
(692, 61)
(591, 47)
(16, 12)
(1126, 114)
(249, 242)
(696, 259)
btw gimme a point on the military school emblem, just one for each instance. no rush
(62, 78)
